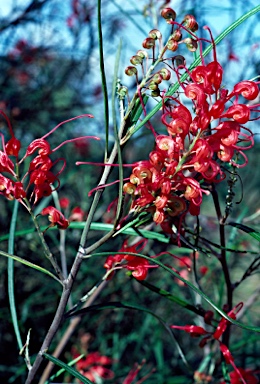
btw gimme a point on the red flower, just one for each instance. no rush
(246, 374)
(77, 214)
(94, 365)
(64, 202)
(138, 265)
(55, 217)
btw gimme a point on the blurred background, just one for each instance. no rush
(49, 60)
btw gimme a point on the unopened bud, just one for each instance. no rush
(155, 34)
(148, 43)
(135, 60)
(129, 188)
(153, 86)
(168, 14)
(156, 93)
(191, 44)
(179, 61)
(157, 78)
(122, 92)
(177, 35)
(165, 73)
(190, 22)
(142, 54)
(172, 45)
(130, 71)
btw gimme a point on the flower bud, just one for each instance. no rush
(190, 22)
(153, 86)
(122, 92)
(191, 44)
(142, 54)
(179, 61)
(130, 71)
(172, 45)
(168, 14)
(208, 317)
(129, 188)
(13, 146)
(157, 78)
(177, 35)
(135, 60)
(155, 34)
(165, 73)
(148, 43)
(156, 92)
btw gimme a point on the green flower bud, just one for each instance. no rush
(122, 92)
(153, 86)
(155, 34)
(155, 93)
(135, 60)
(191, 44)
(142, 54)
(157, 78)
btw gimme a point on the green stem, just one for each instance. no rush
(10, 269)
(46, 248)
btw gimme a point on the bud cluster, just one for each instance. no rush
(152, 79)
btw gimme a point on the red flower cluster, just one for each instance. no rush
(40, 171)
(198, 143)
(169, 183)
(94, 365)
(138, 265)
(197, 331)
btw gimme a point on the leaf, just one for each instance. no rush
(10, 270)
(188, 283)
(252, 232)
(29, 264)
(103, 75)
(69, 369)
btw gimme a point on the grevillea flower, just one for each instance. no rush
(137, 265)
(94, 366)
(77, 214)
(134, 372)
(238, 374)
(193, 330)
(55, 217)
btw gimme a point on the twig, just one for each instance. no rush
(68, 333)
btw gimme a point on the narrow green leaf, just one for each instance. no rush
(62, 370)
(10, 270)
(69, 369)
(103, 76)
(252, 232)
(170, 297)
(117, 139)
(188, 283)
(29, 264)
(117, 304)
